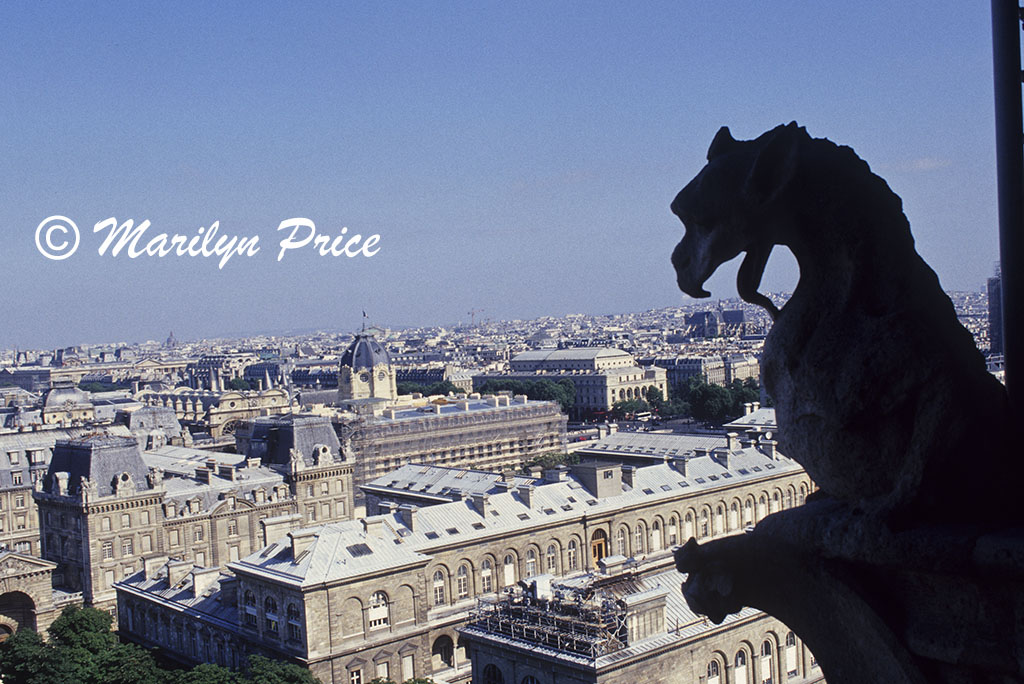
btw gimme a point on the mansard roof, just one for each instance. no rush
(365, 352)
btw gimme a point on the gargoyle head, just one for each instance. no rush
(732, 205)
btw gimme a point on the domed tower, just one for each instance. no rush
(366, 371)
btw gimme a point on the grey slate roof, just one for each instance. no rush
(100, 457)
(365, 352)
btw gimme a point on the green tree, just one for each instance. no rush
(87, 628)
(629, 406)
(264, 670)
(550, 460)
(239, 384)
(562, 391)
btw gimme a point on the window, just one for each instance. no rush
(108, 550)
(530, 680)
(250, 609)
(608, 474)
(14, 456)
(19, 522)
(552, 559)
(705, 527)
(16, 478)
(144, 518)
(486, 582)
(439, 597)
(126, 520)
(383, 670)
(509, 570)
(531, 563)
(767, 663)
(309, 490)
(325, 487)
(655, 536)
(294, 623)
(147, 543)
(19, 500)
(197, 534)
(741, 659)
(573, 555)
(638, 539)
(791, 659)
(408, 667)
(270, 614)
(377, 615)
(355, 677)
(174, 537)
(714, 672)
(462, 581)
(492, 675)
(673, 538)
(232, 528)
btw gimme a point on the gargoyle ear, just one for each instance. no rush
(722, 143)
(775, 165)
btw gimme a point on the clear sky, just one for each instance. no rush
(517, 158)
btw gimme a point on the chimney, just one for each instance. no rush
(203, 579)
(464, 405)
(627, 474)
(151, 566)
(557, 474)
(276, 527)
(480, 502)
(680, 465)
(177, 570)
(521, 399)
(526, 494)
(748, 408)
(700, 452)
(755, 406)
(768, 448)
(373, 526)
(226, 471)
(723, 456)
(536, 471)
(732, 440)
(437, 409)
(302, 540)
(389, 413)
(408, 514)
(203, 474)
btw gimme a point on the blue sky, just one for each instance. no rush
(517, 158)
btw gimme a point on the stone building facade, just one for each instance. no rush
(385, 596)
(105, 505)
(217, 412)
(600, 375)
(488, 433)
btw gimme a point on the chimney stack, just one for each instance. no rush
(301, 540)
(408, 513)
(627, 474)
(526, 494)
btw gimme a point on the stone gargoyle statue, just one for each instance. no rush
(879, 392)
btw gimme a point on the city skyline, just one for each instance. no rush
(518, 161)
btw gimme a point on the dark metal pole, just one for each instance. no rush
(1006, 29)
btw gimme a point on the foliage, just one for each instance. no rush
(550, 460)
(562, 391)
(443, 388)
(626, 407)
(241, 384)
(716, 404)
(83, 650)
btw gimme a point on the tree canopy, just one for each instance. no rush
(444, 387)
(82, 650)
(562, 390)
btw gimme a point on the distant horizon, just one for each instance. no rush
(312, 330)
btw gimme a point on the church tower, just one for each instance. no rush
(365, 371)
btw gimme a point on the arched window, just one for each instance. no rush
(748, 512)
(531, 563)
(655, 544)
(377, 615)
(673, 534)
(791, 660)
(439, 594)
(776, 501)
(442, 653)
(719, 519)
(741, 659)
(638, 539)
(705, 525)
(486, 576)
(620, 542)
(573, 555)
(688, 530)
(294, 623)
(492, 675)
(530, 680)
(249, 599)
(270, 614)
(789, 497)
(509, 570)
(714, 672)
(552, 559)
(767, 663)
(734, 516)
(462, 581)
